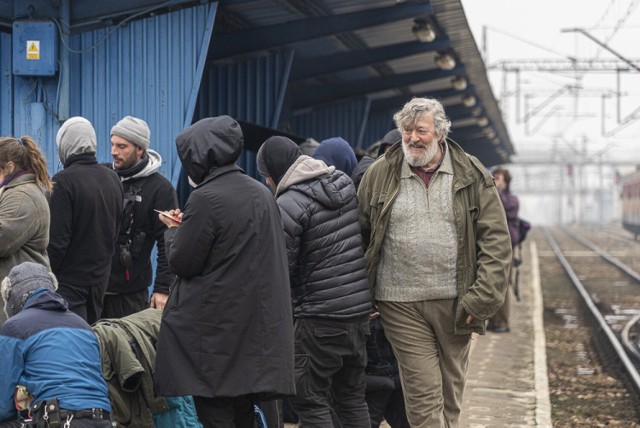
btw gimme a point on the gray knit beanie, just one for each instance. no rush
(134, 130)
(76, 136)
(23, 280)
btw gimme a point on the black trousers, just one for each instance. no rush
(121, 305)
(235, 412)
(273, 413)
(387, 405)
(330, 360)
(84, 301)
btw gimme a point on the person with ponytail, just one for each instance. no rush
(24, 210)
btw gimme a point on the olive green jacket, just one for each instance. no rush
(484, 246)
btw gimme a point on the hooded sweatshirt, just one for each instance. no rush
(76, 136)
(337, 152)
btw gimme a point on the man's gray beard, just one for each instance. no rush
(420, 160)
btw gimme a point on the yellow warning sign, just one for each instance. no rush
(33, 49)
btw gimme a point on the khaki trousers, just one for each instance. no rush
(432, 359)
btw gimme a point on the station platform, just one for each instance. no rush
(507, 382)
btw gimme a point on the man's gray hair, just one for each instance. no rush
(416, 108)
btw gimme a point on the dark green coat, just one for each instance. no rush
(484, 246)
(128, 371)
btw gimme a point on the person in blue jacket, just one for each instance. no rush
(51, 352)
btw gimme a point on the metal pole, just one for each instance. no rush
(63, 73)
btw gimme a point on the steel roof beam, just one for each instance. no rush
(311, 95)
(84, 12)
(307, 68)
(94, 14)
(272, 36)
(385, 104)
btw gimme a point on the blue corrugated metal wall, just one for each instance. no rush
(6, 100)
(34, 100)
(145, 69)
(252, 91)
(377, 126)
(344, 120)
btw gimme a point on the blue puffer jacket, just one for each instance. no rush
(326, 259)
(54, 353)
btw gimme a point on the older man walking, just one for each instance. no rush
(437, 253)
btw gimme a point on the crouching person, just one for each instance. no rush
(51, 353)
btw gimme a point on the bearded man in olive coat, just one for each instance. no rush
(226, 335)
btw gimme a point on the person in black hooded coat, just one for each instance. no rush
(226, 335)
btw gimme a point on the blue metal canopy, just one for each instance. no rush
(309, 68)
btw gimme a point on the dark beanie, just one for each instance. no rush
(337, 152)
(275, 156)
(389, 139)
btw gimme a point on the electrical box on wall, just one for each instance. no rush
(35, 48)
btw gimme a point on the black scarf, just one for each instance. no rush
(139, 166)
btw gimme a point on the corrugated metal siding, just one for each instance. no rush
(6, 101)
(33, 102)
(146, 69)
(377, 127)
(251, 91)
(343, 120)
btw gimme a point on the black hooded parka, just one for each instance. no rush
(227, 329)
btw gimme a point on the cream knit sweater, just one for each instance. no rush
(418, 259)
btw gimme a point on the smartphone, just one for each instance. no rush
(166, 214)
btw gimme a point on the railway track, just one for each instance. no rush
(609, 290)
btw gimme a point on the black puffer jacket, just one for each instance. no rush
(326, 260)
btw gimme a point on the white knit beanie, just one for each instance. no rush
(134, 130)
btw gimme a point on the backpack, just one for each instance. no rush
(523, 229)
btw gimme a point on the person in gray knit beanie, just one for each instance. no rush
(75, 136)
(21, 282)
(134, 130)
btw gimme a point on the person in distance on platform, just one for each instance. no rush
(499, 323)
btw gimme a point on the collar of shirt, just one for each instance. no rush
(444, 166)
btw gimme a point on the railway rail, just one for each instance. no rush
(609, 289)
